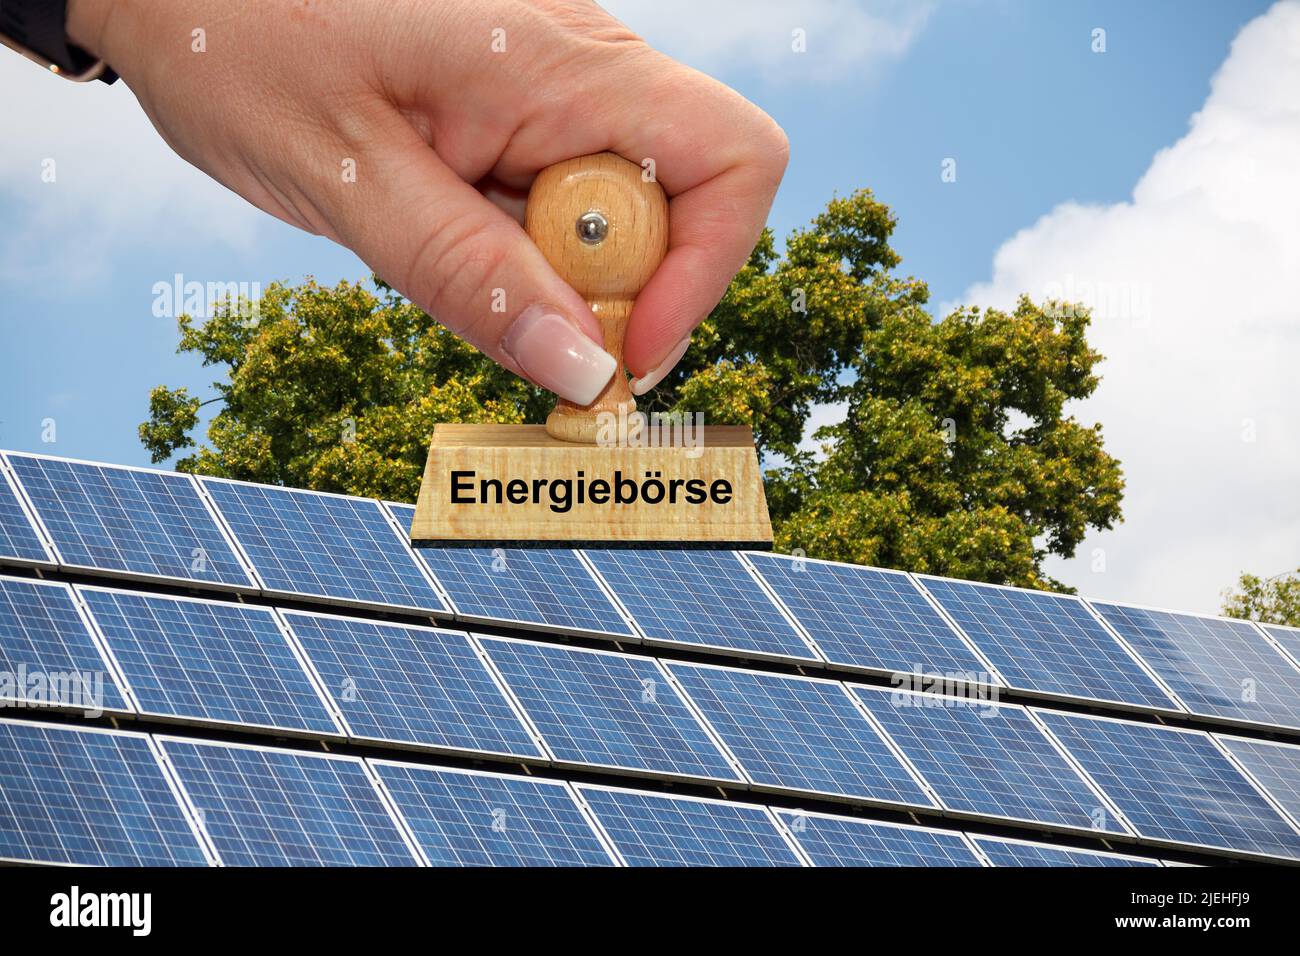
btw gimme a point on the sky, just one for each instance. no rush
(1154, 180)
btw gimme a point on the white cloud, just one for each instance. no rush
(1196, 287)
(853, 36)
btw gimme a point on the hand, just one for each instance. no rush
(446, 135)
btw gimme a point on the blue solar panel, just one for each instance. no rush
(607, 709)
(1275, 766)
(88, 797)
(796, 733)
(208, 660)
(1047, 642)
(1288, 638)
(1020, 853)
(700, 597)
(989, 759)
(542, 587)
(128, 520)
(329, 546)
(263, 807)
(869, 618)
(844, 841)
(18, 537)
(412, 685)
(652, 830)
(1174, 785)
(470, 818)
(1216, 666)
(47, 654)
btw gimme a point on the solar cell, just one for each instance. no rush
(18, 537)
(649, 829)
(869, 618)
(88, 797)
(1216, 666)
(130, 521)
(1275, 766)
(1047, 643)
(843, 841)
(797, 733)
(412, 685)
(1174, 785)
(48, 656)
(341, 549)
(702, 598)
(1024, 853)
(989, 759)
(532, 587)
(264, 807)
(471, 818)
(1288, 638)
(607, 709)
(208, 661)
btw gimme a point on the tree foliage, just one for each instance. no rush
(952, 450)
(1274, 600)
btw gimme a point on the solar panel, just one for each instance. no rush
(1288, 638)
(1174, 785)
(532, 587)
(208, 661)
(131, 521)
(314, 544)
(843, 841)
(471, 818)
(648, 829)
(18, 537)
(412, 685)
(1275, 766)
(989, 759)
(797, 733)
(264, 807)
(88, 797)
(869, 618)
(700, 597)
(1216, 666)
(607, 709)
(48, 656)
(1048, 643)
(1024, 853)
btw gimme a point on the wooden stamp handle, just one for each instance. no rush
(604, 229)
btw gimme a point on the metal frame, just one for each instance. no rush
(10, 481)
(964, 838)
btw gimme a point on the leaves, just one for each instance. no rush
(1274, 600)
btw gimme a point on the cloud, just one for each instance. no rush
(852, 36)
(1195, 283)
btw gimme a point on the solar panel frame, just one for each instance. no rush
(423, 555)
(559, 787)
(163, 741)
(651, 636)
(1286, 639)
(755, 812)
(95, 642)
(249, 584)
(1271, 783)
(982, 843)
(1172, 706)
(542, 754)
(1045, 717)
(958, 838)
(436, 609)
(1270, 653)
(15, 514)
(193, 720)
(951, 809)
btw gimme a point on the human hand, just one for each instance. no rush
(444, 135)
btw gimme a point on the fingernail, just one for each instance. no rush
(656, 375)
(557, 355)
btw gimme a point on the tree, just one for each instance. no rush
(954, 453)
(1274, 600)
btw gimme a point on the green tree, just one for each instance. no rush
(953, 454)
(1274, 600)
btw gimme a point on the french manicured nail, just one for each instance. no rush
(558, 355)
(656, 375)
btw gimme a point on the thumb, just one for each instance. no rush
(439, 242)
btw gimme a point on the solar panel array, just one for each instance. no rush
(365, 654)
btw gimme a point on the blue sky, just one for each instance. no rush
(1011, 90)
